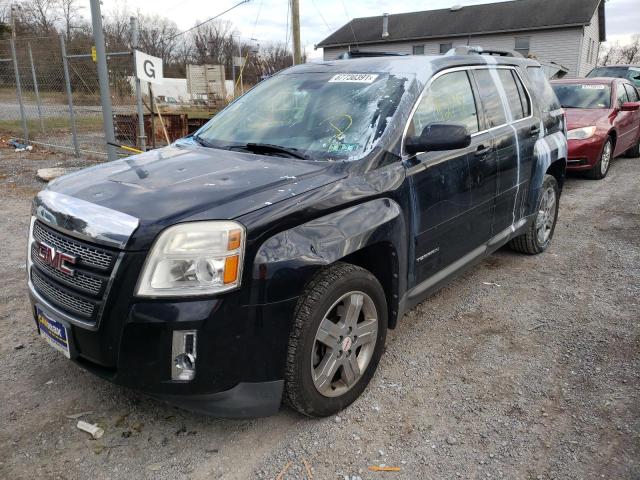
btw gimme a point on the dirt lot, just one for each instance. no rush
(524, 368)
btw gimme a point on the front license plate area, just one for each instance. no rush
(55, 333)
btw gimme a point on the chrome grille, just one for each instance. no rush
(91, 284)
(82, 294)
(62, 298)
(88, 255)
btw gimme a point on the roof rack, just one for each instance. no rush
(359, 54)
(477, 50)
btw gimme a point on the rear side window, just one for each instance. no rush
(516, 96)
(632, 92)
(542, 90)
(449, 99)
(491, 101)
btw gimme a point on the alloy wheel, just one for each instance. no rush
(546, 215)
(344, 344)
(605, 160)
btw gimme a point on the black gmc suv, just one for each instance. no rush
(264, 258)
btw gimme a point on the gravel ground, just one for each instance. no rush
(523, 368)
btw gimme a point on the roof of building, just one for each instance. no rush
(510, 16)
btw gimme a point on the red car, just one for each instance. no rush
(603, 121)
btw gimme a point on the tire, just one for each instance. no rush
(600, 170)
(311, 389)
(532, 242)
(633, 152)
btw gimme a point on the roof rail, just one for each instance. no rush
(477, 50)
(366, 54)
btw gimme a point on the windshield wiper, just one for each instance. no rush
(201, 141)
(270, 148)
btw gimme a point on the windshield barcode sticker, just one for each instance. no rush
(593, 87)
(353, 78)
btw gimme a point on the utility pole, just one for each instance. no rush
(295, 31)
(103, 79)
(14, 7)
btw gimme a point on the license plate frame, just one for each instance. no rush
(54, 332)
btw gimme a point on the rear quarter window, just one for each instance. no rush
(542, 90)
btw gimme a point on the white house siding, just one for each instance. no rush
(558, 45)
(589, 57)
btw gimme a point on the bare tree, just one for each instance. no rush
(626, 53)
(42, 15)
(70, 13)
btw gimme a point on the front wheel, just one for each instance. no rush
(538, 237)
(336, 341)
(600, 170)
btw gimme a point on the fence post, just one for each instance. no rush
(25, 130)
(35, 87)
(72, 113)
(103, 79)
(134, 45)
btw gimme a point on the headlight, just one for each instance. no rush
(581, 133)
(196, 258)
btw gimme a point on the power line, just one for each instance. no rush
(350, 22)
(210, 19)
(321, 16)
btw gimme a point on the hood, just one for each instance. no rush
(585, 117)
(184, 180)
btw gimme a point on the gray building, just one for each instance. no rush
(568, 32)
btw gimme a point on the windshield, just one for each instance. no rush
(583, 95)
(324, 116)
(629, 73)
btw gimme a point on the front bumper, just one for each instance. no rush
(241, 350)
(584, 154)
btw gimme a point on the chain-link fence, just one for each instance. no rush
(54, 99)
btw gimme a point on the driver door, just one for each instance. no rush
(451, 215)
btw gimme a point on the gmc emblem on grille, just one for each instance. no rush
(56, 259)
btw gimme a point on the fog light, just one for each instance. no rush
(183, 355)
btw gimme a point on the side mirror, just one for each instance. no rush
(439, 136)
(630, 106)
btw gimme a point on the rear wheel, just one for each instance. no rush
(337, 339)
(600, 170)
(538, 237)
(633, 152)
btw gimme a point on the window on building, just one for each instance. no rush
(449, 99)
(418, 49)
(522, 45)
(589, 52)
(445, 47)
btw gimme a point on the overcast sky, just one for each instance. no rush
(319, 18)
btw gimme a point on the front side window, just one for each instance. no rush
(448, 99)
(576, 95)
(621, 94)
(324, 116)
(522, 45)
(491, 101)
(418, 49)
(445, 47)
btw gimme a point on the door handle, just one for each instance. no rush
(482, 151)
(535, 129)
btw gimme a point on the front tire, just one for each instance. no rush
(538, 237)
(336, 340)
(600, 170)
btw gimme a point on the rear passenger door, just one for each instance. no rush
(452, 204)
(507, 107)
